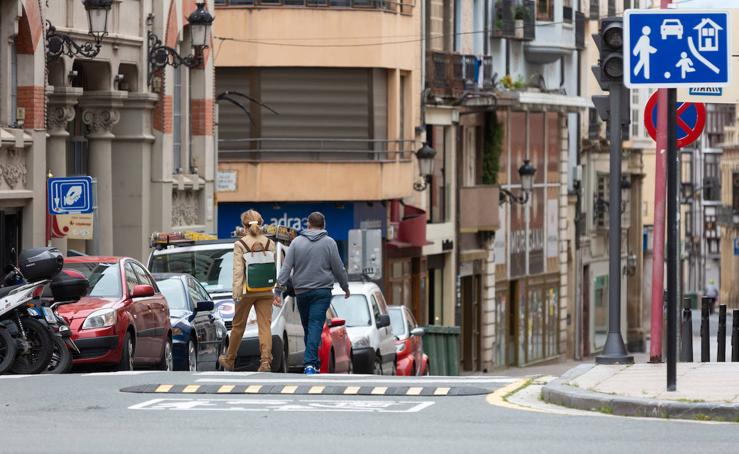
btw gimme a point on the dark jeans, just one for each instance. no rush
(312, 306)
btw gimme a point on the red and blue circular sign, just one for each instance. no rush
(691, 119)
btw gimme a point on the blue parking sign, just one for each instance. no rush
(670, 49)
(70, 195)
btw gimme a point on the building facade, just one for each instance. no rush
(146, 139)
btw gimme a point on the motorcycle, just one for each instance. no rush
(26, 342)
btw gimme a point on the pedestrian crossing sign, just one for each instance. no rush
(670, 48)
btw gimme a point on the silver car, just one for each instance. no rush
(211, 262)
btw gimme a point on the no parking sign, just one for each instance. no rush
(691, 119)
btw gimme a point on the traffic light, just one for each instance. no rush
(609, 71)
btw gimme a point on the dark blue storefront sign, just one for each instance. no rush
(340, 217)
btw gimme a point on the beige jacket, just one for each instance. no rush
(239, 288)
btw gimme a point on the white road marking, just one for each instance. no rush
(282, 405)
(122, 372)
(331, 381)
(219, 373)
(5, 377)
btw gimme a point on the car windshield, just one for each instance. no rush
(353, 309)
(174, 292)
(212, 268)
(396, 322)
(105, 278)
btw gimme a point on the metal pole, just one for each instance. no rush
(686, 333)
(658, 261)
(673, 238)
(705, 331)
(735, 336)
(614, 352)
(721, 356)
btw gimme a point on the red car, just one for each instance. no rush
(410, 358)
(123, 320)
(335, 351)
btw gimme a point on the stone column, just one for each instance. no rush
(100, 113)
(60, 113)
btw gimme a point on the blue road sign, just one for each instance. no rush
(669, 49)
(71, 195)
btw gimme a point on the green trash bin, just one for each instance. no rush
(441, 344)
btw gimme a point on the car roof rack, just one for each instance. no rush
(162, 240)
(284, 235)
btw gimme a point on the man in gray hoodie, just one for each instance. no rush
(314, 261)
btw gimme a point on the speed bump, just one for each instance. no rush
(297, 389)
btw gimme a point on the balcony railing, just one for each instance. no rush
(451, 75)
(479, 209)
(515, 19)
(311, 149)
(594, 9)
(386, 5)
(579, 30)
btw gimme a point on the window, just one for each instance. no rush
(712, 178)
(354, 310)
(132, 280)
(177, 121)
(567, 13)
(174, 293)
(13, 86)
(735, 191)
(104, 278)
(635, 122)
(435, 136)
(143, 276)
(545, 10)
(213, 268)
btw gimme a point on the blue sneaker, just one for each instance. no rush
(310, 370)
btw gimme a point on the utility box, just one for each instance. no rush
(365, 253)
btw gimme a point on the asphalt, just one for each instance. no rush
(83, 413)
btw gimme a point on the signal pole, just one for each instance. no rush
(614, 109)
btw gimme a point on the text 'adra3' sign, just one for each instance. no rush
(670, 49)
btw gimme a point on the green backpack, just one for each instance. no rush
(260, 268)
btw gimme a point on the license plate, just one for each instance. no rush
(49, 315)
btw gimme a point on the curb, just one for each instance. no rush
(558, 392)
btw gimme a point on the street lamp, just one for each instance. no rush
(425, 156)
(600, 205)
(160, 55)
(58, 44)
(526, 172)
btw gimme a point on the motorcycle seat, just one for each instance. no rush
(4, 291)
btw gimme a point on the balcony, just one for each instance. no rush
(478, 211)
(390, 6)
(450, 75)
(554, 39)
(303, 170)
(515, 19)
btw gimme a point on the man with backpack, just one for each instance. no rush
(314, 261)
(254, 273)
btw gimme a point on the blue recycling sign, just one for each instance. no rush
(670, 48)
(70, 195)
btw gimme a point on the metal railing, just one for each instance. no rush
(594, 9)
(311, 149)
(386, 5)
(450, 74)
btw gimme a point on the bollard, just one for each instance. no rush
(705, 333)
(686, 333)
(735, 336)
(721, 356)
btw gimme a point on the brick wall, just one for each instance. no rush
(202, 117)
(31, 98)
(163, 114)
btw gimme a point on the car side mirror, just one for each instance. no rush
(204, 306)
(383, 321)
(418, 331)
(336, 321)
(142, 291)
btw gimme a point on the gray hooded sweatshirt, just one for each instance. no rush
(314, 261)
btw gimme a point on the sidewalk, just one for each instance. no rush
(705, 391)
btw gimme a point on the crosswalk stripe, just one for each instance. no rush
(226, 388)
(289, 389)
(191, 388)
(316, 389)
(414, 391)
(351, 390)
(163, 388)
(253, 389)
(379, 390)
(441, 391)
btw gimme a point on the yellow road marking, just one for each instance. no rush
(191, 388)
(253, 389)
(379, 390)
(226, 389)
(442, 391)
(163, 388)
(316, 389)
(414, 391)
(351, 390)
(289, 389)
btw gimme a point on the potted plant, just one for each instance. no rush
(519, 16)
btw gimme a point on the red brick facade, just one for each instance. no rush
(33, 100)
(163, 114)
(202, 117)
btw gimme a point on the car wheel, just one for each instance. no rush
(350, 368)
(165, 363)
(395, 366)
(282, 367)
(332, 363)
(427, 372)
(126, 363)
(378, 364)
(192, 356)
